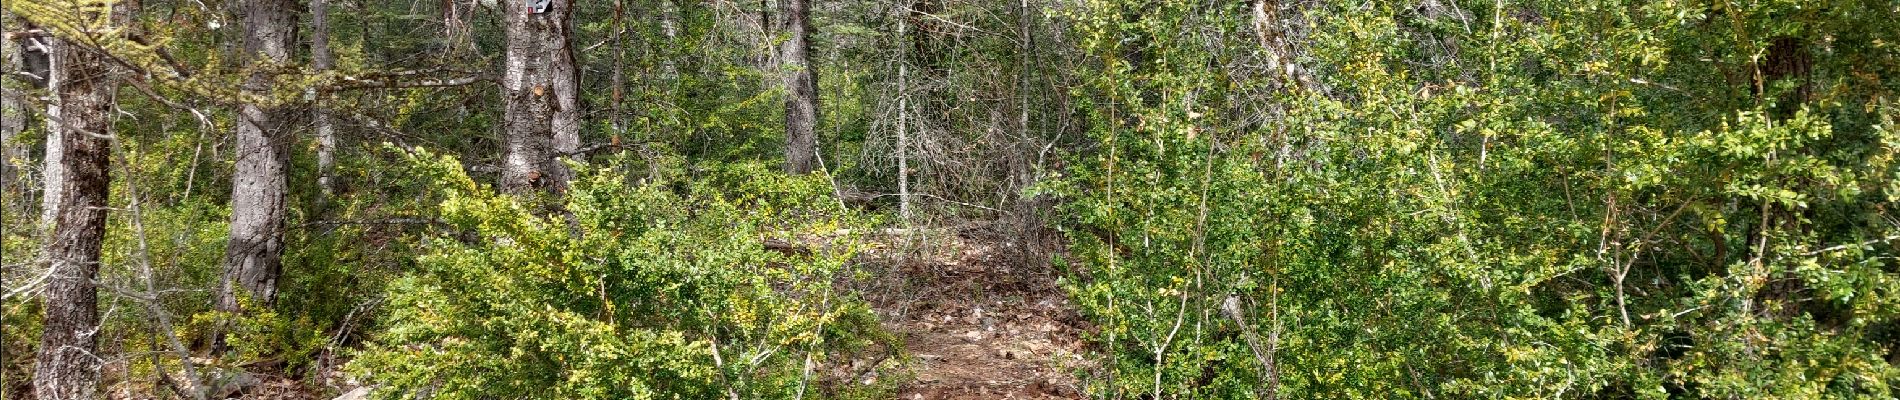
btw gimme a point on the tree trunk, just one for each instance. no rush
(53, 174)
(66, 366)
(322, 60)
(12, 122)
(1788, 59)
(539, 87)
(902, 152)
(253, 255)
(670, 31)
(567, 112)
(801, 86)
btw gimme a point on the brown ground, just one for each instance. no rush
(977, 328)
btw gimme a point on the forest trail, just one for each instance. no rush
(975, 327)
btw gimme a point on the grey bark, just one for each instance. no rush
(322, 60)
(66, 365)
(12, 122)
(253, 255)
(567, 113)
(903, 121)
(669, 30)
(540, 91)
(801, 86)
(52, 175)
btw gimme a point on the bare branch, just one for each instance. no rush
(408, 79)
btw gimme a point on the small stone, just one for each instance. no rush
(360, 393)
(972, 336)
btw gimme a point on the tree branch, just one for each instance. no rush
(407, 79)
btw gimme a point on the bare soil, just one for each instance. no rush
(977, 327)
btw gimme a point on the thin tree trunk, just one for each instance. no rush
(1026, 227)
(617, 81)
(801, 86)
(322, 60)
(67, 365)
(903, 123)
(768, 57)
(253, 255)
(540, 88)
(670, 31)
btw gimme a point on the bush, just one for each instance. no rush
(1528, 215)
(661, 290)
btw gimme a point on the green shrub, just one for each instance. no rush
(661, 290)
(1505, 200)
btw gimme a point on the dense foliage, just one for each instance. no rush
(662, 290)
(1496, 199)
(1244, 199)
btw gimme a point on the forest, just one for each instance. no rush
(950, 199)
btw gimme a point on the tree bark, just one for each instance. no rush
(1787, 58)
(322, 61)
(12, 122)
(66, 366)
(539, 88)
(52, 175)
(801, 86)
(670, 31)
(567, 112)
(902, 152)
(617, 79)
(253, 254)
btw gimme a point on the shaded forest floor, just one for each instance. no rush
(978, 326)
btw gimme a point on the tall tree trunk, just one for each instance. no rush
(1787, 59)
(617, 79)
(768, 56)
(322, 60)
(540, 88)
(670, 32)
(12, 122)
(67, 365)
(53, 174)
(801, 86)
(902, 152)
(253, 255)
(567, 112)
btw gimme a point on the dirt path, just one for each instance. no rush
(978, 329)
